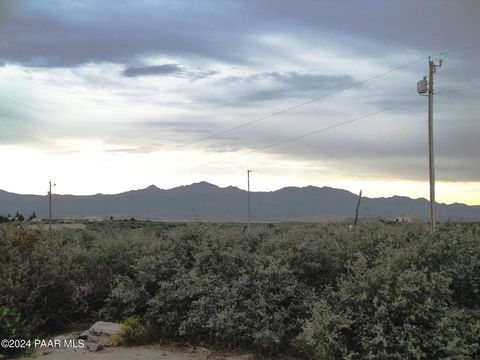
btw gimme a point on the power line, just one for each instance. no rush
(464, 48)
(457, 90)
(278, 143)
(320, 97)
(314, 132)
(297, 106)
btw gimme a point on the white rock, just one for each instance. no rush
(102, 328)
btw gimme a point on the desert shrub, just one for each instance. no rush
(260, 306)
(397, 304)
(12, 328)
(316, 258)
(55, 279)
(379, 291)
(133, 333)
(458, 256)
(210, 286)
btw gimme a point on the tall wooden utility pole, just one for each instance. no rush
(424, 87)
(431, 71)
(248, 194)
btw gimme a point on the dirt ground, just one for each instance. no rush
(152, 352)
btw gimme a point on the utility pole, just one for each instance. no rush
(424, 87)
(431, 71)
(50, 205)
(357, 208)
(248, 194)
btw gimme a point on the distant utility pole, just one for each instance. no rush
(248, 194)
(425, 88)
(50, 205)
(358, 207)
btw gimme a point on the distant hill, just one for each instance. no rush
(204, 201)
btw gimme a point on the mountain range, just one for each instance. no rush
(206, 202)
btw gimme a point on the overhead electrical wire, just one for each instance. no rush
(283, 111)
(322, 97)
(324, 129)
(278, 143)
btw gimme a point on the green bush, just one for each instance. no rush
(55, 279)
(12, 328)
(205, 286)
(378, 292)
(133, 333)
(397, 305)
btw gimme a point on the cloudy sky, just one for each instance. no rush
(108, 96)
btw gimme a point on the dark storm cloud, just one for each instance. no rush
(379, 27)
(4, 11)
(58, 34)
